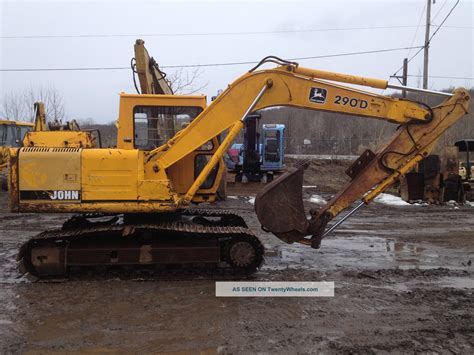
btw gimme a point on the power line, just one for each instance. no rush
(63, 69)
(217, 33)
(202, 33)
(207, 64)
(440, 9)
(417, 28)
(443, 77)
(434, 33)
(461, 27)
(444, 20)
(409, 60)
(440, 77)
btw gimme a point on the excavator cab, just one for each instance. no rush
(11, 135)
(149, 122)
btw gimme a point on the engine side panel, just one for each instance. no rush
(51, 174)
(109, 174)
(87, 180)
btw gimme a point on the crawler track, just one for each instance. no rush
(191, 240)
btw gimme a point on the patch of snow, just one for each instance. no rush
(233, 197)
(419, 203)
(390, 200)
(470, 203)
(309, 186)
(317, 199)
(454, 204)
(251, 200)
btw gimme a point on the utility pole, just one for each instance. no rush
(427, 44)
(405, 76)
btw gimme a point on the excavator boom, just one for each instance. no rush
(371, 175)
(286, 86)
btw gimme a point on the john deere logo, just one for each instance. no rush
(64, 195)
(61, 195)
(318, 95)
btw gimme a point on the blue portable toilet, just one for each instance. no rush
(273, 147)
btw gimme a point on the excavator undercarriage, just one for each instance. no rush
(199, 239)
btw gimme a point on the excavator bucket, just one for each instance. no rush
(279, 206)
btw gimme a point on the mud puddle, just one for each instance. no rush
(457, 282)
(370, 252)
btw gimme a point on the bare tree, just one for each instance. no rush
(183, 81)
(13, 108)
(19, 106)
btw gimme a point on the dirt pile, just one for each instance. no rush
(327, 175)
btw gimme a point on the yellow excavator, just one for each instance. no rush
(57, 134)
(11, 136)
(133, 200)
(41, 134)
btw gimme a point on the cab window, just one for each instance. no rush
(200, 162)
(3, 135)
(9, 136)
(23, 130)
(155, 125)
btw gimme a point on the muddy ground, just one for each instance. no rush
(403, 275)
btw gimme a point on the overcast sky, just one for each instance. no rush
(95, 93)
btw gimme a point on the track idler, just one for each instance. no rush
(280, 210)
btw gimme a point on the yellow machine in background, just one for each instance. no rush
(56, 134)
(144, 186)
(14, 135)
(152, 79)
(11, 136)
(466, 164)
